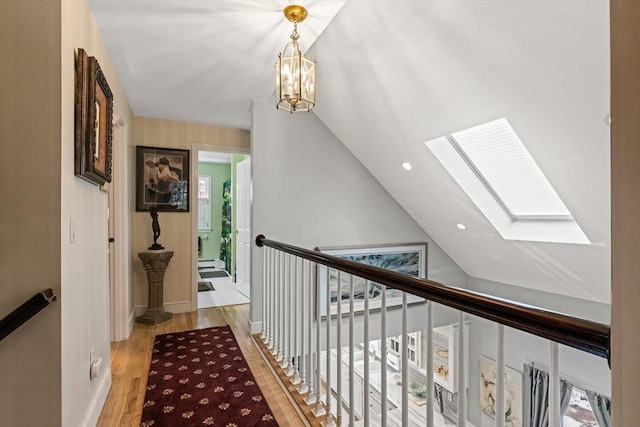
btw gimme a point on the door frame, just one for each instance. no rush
(247, 279)
(195, 148)
(121, 321)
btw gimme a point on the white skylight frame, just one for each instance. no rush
(479, 157)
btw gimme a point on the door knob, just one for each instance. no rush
(111, 240)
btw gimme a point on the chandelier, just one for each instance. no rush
(295, 74)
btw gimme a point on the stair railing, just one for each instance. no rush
(25, 311)
(302, 332)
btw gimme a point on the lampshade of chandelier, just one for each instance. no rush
(295, 74)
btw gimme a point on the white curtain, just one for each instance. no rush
(536, 396)
(601, 407)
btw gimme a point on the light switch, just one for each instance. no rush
(72, 229)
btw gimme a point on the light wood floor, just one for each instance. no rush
(130, 364)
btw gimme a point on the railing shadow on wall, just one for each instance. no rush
(295, 338)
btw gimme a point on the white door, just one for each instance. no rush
(243, 222)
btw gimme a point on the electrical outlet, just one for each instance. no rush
(95, 364)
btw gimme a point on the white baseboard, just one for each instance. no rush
(100, 397)
(255, 327)
(172, 307)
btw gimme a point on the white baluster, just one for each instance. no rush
(405, 363)
(269, 299)
(319, 409)
(271, 302)
(555, 417)
(302, 358)
(365, 408)
(500, 396)
(295, 364)
(286, 362)
(265, 275)
(275, 313)
(383, 357)
(298, 324)
(352, 416)
(462, 387)
(430, 387)
(327, 349)
(280, 284)
(310, 399)
(339, 352)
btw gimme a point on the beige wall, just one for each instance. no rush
(625, 211)
(177, 228)
(30, 208)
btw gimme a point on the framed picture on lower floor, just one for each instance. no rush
(409, 258)
(512, 389)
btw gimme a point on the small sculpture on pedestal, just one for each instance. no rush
(155, 225)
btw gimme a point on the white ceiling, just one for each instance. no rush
(423, 69)
(201, 60)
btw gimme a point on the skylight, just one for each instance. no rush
(499, 159)
(495, 169)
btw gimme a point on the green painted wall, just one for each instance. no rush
(219, 174)
(235, 159)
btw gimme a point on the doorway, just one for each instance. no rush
(218, 207)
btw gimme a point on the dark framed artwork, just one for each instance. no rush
(93, 121)
(162, 179)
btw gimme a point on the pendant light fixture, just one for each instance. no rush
(295, 74)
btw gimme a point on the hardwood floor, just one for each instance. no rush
(130, 361)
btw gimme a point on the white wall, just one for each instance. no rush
(309, 190)
(591, 310)
(85, 297)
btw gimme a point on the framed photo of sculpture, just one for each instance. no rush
(162, 179)
(410, 258)
(93, 121)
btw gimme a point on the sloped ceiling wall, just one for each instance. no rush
(395, 75)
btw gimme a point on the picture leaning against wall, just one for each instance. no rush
(512, 389)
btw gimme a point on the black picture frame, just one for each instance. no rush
(162, 179)
(93, 122)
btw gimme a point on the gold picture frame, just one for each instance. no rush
(93, 122)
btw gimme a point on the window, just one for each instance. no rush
(494, 168)
(204, 203)
(394, 344)
(579, 413)
(413, 347)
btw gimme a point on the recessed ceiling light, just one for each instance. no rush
(461, 226)
(407, 166)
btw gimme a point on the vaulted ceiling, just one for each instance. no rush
(406, 72)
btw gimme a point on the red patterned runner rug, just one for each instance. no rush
(201, 378)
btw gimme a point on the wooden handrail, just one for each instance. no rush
(26, 311)
(585, 335)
